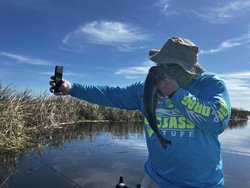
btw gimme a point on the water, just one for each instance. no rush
(236, 155)
(95, 155)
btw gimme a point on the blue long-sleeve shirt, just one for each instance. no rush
(192, 119)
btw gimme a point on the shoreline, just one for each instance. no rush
(28, 142)
(238, 119)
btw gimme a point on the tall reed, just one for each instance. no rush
(22, 110)
(239, 114)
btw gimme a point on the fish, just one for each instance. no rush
(151, 97)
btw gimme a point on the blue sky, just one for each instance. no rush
(107, 42)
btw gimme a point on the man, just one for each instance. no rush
(195, 110)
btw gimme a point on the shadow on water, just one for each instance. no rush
(93, 140)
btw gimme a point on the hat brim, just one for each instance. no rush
(158, 57)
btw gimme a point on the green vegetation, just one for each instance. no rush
(23, 113)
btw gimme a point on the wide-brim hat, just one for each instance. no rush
(179, 51)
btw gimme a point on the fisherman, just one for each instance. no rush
(194, 110)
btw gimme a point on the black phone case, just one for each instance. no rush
(58, 78)
(58, 84)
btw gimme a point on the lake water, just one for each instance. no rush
(94, 155)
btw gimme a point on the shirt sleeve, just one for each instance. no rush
(119, 97)
(210, 109)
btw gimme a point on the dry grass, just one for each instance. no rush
(239, 114)
(22, 110)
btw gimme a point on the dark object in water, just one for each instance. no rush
(121, 184)
(150, 100)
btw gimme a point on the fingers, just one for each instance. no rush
(169, 77)
(52, 84)
(169, 80)
(58, 93)
(168, 86)
(53, 91)
(64, 87)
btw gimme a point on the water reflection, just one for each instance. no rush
(94, 154)
(236, 154)
(104, 149)
(236, 124)
(83, 131)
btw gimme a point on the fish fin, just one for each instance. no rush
(163, 141)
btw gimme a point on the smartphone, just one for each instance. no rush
(58, 78)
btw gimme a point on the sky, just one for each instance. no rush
(107, 42)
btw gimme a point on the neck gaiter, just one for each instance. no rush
(178, 73)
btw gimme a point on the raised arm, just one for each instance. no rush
(210, 109)
(119, 97)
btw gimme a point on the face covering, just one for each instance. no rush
(178, 73)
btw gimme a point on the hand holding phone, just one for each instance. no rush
(58, 78)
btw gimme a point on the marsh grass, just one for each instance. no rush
(21, 112)
(239, 114)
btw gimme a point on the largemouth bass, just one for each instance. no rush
(151, 97)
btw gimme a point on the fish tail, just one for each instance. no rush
(163, 141)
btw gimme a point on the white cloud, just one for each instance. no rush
(236, 75)
(106, 33)
(125, 48)
(159, 3)
(238, 88)
(131, 77)
(215, 13)
(244, 39)
(229, 9)
(164, 7)
(23, 59)
(78, 50)
(66, 73)
(223, 13)
(131, 72)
